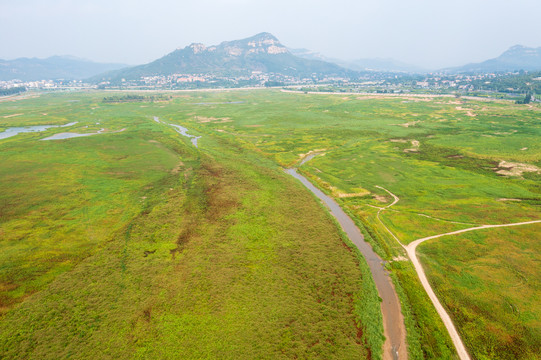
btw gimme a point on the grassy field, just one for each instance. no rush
(138, 245)
(237, 252)
(454, 163)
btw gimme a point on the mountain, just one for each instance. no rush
(518, 57)
(262, 52)
(376, 64)
(387, 65)
(52, 68)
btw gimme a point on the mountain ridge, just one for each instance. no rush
(262, 52)
(52, 68)
(517, 57)
(366, 64)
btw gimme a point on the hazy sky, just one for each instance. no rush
(429, 33)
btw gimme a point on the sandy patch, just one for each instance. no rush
(368, 97)
(523, 149)
(408, 124)
(402, 141)
(400, 258)
(12, 115)
(414, 146)
(253, 126)
(515, 169)
(505, 199)
(380, 198)
(350, 195)
(203, 119)
(314, 152)
(469, 112)
(511, 132)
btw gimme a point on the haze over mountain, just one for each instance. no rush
(369, 64)
(52, 68)
(517, 57)
(260, 53)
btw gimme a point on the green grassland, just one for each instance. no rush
(215, 253)
(137, 245)
(441, 157)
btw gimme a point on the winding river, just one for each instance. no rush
(393, 323)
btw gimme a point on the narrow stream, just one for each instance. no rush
(184, 132)
(9, 132)
(393, 323)
(68, 135)
(181, 130)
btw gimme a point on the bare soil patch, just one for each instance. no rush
(203, 119)
(12, 115)
(414, 146)
(408, 124)
(515, 169)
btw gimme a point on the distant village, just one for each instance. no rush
(376, 82)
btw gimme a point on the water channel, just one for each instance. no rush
(9, 132)
(184, 132)
(393, 322)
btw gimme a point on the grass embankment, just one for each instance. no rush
(440, 156)
(211, 254)
(492, 290)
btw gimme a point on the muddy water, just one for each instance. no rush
(308, 158)
(68, 135)
(184, 132)
(393, 323)
(17, 130)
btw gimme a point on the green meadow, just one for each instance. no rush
(136, 244)
(454, 163)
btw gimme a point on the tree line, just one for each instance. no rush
(12, 91)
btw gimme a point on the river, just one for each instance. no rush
(9, 132)
(393, 322)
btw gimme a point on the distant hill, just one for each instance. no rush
(52, 68)
(387, 65)
(262, 52)
(375, 64)
(516, 58)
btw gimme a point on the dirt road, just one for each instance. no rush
(412, 254)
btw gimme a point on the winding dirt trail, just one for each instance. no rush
(411, 249)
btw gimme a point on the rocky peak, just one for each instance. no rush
(197, 47)
(264, 43)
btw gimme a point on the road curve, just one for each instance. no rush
(411, 249)
(393, 322)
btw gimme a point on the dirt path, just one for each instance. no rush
(411, 251)
(391, 95)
